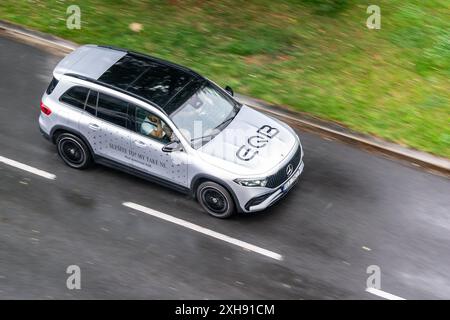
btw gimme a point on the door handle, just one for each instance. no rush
(94, 126)
(139, 143)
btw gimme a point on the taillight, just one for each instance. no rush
(45, 110)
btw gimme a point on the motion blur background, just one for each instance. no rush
(316, 56)
(351, 209)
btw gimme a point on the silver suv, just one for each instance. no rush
(170, 125)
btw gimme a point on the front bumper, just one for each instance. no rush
(266, 199)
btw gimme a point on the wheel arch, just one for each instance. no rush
(198, 179)
(57, 130)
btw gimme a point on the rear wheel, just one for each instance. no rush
(215, 199)
(73, 151)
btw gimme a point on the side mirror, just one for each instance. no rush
(229, 90)
(172, 146)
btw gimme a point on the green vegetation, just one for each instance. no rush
(315, 56)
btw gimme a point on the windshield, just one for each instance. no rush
(205, 114)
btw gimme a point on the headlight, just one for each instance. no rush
(251, 182)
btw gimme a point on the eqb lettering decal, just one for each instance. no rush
(264, 134)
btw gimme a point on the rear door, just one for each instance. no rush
(105, 124)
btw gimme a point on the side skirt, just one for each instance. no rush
(140, 174)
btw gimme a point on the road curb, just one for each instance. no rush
(307, 122)
(38, 37)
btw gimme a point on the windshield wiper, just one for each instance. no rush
(228, 120)
(204, 137)
(224, 122)
(211, 136)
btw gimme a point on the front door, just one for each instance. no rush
(149, 136)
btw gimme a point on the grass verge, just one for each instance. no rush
(316, 56)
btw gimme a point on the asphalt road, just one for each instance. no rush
(351, 209)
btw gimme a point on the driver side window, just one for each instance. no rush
(152, 126)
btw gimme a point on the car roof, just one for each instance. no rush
(152, 79)
(89, 61)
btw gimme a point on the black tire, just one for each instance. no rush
(73, 151)
(215, 200)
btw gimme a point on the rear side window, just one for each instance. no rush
(75, 96)
(51, 86)
(91, 103)
(112, 110)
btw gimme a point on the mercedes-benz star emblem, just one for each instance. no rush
(289, 169)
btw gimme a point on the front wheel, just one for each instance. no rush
(73, 151)
(215, 199)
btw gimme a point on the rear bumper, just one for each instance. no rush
(42, 128)
(44, 134)
(264, 201)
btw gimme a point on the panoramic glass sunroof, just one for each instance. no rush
(124, 71)
(146, 78)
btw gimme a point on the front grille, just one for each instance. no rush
(281, 176)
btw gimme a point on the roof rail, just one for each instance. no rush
(78, 76)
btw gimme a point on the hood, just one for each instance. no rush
(251, 144)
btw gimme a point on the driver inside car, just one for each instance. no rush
(153, 127)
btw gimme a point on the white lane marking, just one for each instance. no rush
(27, 168)
(383, 294)
(204, 231)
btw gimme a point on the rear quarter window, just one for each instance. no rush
(75, 96)
(51, 86)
